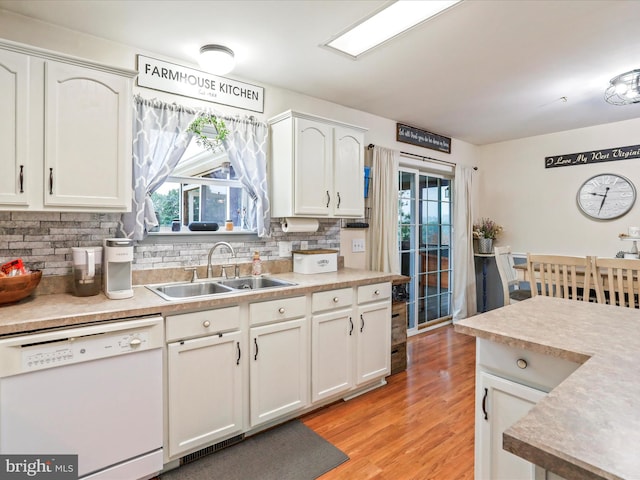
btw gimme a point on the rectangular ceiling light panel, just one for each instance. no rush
(397, 18)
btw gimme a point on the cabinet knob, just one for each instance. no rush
(336, 299)
(281, 310)
(522, 363)
(377, 292)
(206, 323)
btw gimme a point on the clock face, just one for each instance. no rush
(606, 196)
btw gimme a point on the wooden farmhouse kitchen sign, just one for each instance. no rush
(188, 82)
(422, 138)
(595, 156)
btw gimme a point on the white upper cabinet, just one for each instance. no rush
(88, 137)
(14, 131)
(66, 132)
(317, 167)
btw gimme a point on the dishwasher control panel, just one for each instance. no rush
(74, 349)
(80, 344)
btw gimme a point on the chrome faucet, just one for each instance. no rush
(209, 266)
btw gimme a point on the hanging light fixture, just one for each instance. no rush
(216, 59)
(624, 89)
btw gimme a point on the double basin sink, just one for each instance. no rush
(204, 288)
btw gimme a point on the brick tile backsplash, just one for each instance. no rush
(44, 240)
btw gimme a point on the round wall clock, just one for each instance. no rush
(606, 196)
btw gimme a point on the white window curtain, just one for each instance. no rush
(383, 230)
(160, 138)
(464, 278)
(246, 146)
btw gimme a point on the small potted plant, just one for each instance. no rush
(486, 231)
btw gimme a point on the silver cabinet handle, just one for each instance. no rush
(206, 324)
(281, 310)
(336, 299)
(522, 363)
(328, 199)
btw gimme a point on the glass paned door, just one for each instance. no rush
(425, 245)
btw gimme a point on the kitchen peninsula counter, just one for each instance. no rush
(62, 310)
(588, 427)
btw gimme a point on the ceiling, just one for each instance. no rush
(485, 71)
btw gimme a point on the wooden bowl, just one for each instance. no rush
(14, 289)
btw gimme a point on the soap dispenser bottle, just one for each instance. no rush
(256, 266)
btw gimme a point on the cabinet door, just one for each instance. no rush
(373, 330)
(279, 378)
(505, 402)
(205, 391)
(14, 131)
(332, 342)
(313, 157)
(348, 173)
(88, 140)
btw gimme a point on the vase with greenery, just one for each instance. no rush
(486, 231)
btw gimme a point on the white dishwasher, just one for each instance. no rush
(92, 391)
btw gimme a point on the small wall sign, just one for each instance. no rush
(422, 138)
(595, 156)
(188, 82)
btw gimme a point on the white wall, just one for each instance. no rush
(537, 206)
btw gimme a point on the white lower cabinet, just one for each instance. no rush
(509, 382)
(332, 343)
(373, 332)
(278, 364)
(503, 402)
(204, 379)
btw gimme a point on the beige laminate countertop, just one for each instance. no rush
(589, 425)
(58, 310)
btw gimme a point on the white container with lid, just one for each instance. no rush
(315, 261)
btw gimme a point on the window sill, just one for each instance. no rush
(187, 236)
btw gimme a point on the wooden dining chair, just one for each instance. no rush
(511, 289)
(617, 281)
(561, 276)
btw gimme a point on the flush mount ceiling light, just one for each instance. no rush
(216, 59)
(624, 89)
(395, 19)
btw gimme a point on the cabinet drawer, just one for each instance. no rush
(537, 371)
(375, 292)
(187, 325)
(331, 299)
(276, 310)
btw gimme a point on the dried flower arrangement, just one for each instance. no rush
(486, 228)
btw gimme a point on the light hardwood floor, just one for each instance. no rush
(419, 426)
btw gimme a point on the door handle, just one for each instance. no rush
(328, 198)
(484, 403)
(350, 326)
(361, 323)
(338, 206)
(21, 178)
(255, 341)
(239, 353)
(51, 181)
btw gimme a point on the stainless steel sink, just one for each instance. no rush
(255, 283)
(177, 291)
(173, 291)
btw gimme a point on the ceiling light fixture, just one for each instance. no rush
(217, 59)
(624, 89)
(386, 24)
